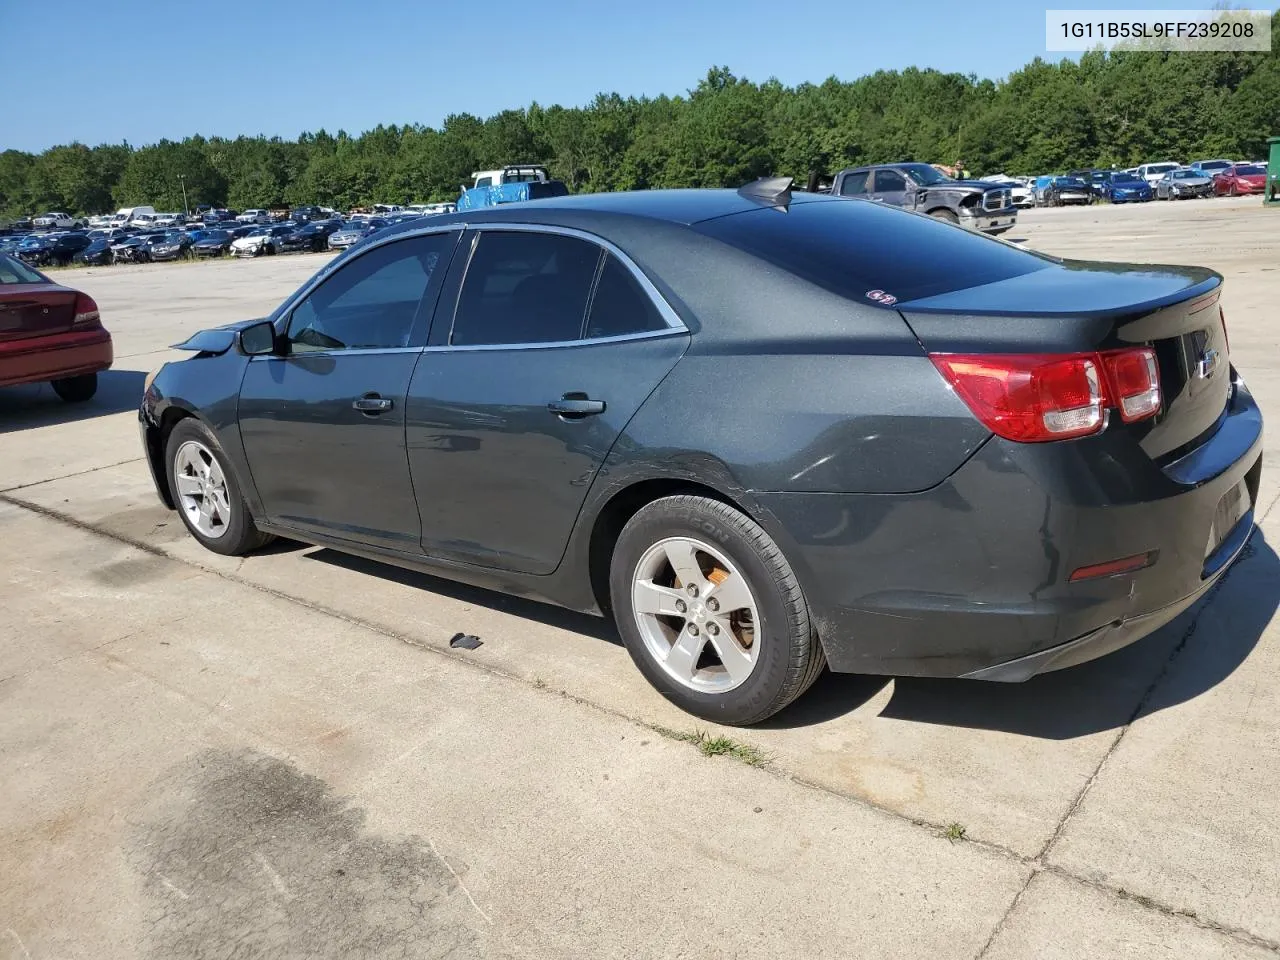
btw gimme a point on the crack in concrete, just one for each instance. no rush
(68, 476)
(1037, 863)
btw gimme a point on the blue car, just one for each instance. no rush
(1127, 188)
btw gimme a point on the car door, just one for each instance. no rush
(547, 349)
(323, 422)
(890, 187)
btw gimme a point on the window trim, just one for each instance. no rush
(670, 317)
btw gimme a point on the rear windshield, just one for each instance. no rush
(853, 247)
(1249, 170)
(13, 271)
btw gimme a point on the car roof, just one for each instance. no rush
(680, 207)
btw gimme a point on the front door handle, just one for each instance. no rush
(371, 403)
(575, 406)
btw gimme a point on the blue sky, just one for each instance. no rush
(140, 70)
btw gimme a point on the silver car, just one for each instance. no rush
(1181, 184)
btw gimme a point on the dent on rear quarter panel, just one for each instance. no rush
(812, 423)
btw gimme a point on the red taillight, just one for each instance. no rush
(1032, 398)
(86, 311)
(1028, 397)
(1134, 382)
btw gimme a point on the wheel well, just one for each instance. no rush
(624, 505)
(157, 439)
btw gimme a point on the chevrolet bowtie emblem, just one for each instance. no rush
(1208, 363)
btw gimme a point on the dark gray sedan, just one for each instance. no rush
(764, 432)
(1183, 185)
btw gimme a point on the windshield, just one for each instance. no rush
(1069, 182)
(215, 235)
(923, 174)
(1185, 174)
(1215, 164)
(1126, 178)
(1250, 170)
(1161, 167)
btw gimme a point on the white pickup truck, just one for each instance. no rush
(55, 221)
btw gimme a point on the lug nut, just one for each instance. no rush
(693, 629)
(681, 607)
(713, 604)
(692, 589)
(712, 629)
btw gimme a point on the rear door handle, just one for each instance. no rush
(372, 403)
(576, 406)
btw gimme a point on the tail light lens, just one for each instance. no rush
(1135, 383)
(1034, 398)
(86, 311)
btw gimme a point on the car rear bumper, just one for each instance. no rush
(40, 359)
(971, 577)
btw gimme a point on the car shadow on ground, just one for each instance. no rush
(1100, 695)
(596, 627)
(36, 405)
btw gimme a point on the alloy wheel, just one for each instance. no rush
(696, 614)
(202, 489)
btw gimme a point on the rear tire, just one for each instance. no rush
(193, 453)
(736, 594)
(76, 389)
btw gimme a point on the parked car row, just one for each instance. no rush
(242, 236)
(1166, 180)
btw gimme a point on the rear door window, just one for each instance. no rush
(620, 305)
(525, 287)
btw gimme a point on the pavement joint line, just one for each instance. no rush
(1271, 506)
(1238, 934)
(1204, 604)
(1004, 917)
(68, 476)
(1037, 863)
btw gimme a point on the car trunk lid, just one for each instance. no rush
(1079, 307)
(35, 310)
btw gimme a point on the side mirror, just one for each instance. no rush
(259, 339)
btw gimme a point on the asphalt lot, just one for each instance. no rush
(280, 756)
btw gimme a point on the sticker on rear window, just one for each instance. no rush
(879, 296)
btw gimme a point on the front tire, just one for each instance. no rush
(204, 490)
(76, 389)
(944, 215)
(711, 611)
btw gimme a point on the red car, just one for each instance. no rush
(49, 333)
(1242, 178)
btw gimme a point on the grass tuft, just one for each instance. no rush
(720, 746)
(955, 831)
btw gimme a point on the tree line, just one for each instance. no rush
(1119, 108)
